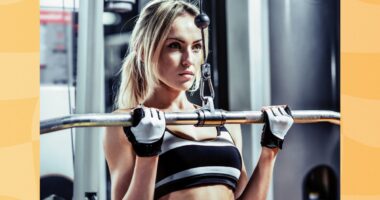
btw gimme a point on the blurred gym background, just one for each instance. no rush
(262, 52)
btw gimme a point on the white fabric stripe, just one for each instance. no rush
(201, 170)
(172, 142)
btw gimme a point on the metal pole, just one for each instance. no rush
(184, 118)
(89, 169)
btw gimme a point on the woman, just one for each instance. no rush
(152, 160)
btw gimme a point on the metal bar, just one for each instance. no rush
(184, 118)
(90, 99)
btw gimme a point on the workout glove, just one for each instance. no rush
(147, 131)
(278, 120)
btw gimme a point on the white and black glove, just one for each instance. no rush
(278, 120)
(147, 131)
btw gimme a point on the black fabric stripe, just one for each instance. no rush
(192, 156)
(204, 179)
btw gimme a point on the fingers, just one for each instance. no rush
(284, 112)
(278, 121)
(268, 111)
(138, 114)
(288, 111)
(153, 113)
(149, 114)
(278, 110)
(272, 111)
(158, 115)
(146, 137)
(161, 115)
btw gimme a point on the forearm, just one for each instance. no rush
(258, 185)
(143, 179)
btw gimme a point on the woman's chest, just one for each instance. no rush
(218, 151)
(193, 133)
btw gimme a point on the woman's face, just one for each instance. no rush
(181, 54)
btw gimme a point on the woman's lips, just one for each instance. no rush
(187, 75)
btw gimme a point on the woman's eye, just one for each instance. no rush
(174, 45)
(197, 47)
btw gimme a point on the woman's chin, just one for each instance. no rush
(188, 86)
(178, 86)
(181, 88)
(184, 88)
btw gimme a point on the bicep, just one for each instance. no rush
(120, 159)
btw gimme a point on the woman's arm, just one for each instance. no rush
(258, 186)
(132, 177)
(132, 154)
(278, 120)
(121, 160)
(143, 179)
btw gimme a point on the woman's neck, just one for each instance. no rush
(167, 99)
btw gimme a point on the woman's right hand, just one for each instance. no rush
(147, 131)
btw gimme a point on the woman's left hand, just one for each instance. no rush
(278, 120)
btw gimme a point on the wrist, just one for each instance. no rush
(269, 153)
(150, 159)
(269, 140)
(148, 150)
(143, 149)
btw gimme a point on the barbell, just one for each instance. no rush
(199, 118)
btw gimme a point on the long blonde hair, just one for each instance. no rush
(140, 65)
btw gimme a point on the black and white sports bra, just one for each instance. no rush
(184, 163)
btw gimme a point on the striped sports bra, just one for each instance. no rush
(184, 163)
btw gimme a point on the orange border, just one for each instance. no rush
(19, 99)
(360, 99)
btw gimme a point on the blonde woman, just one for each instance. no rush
(153, 161)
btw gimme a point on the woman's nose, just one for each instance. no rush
(187, 58)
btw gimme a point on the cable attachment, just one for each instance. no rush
(207, 118)
(202, 21)
(208, 101)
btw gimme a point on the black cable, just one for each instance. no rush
(203, 35)
(71, 84)
(69, 72)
